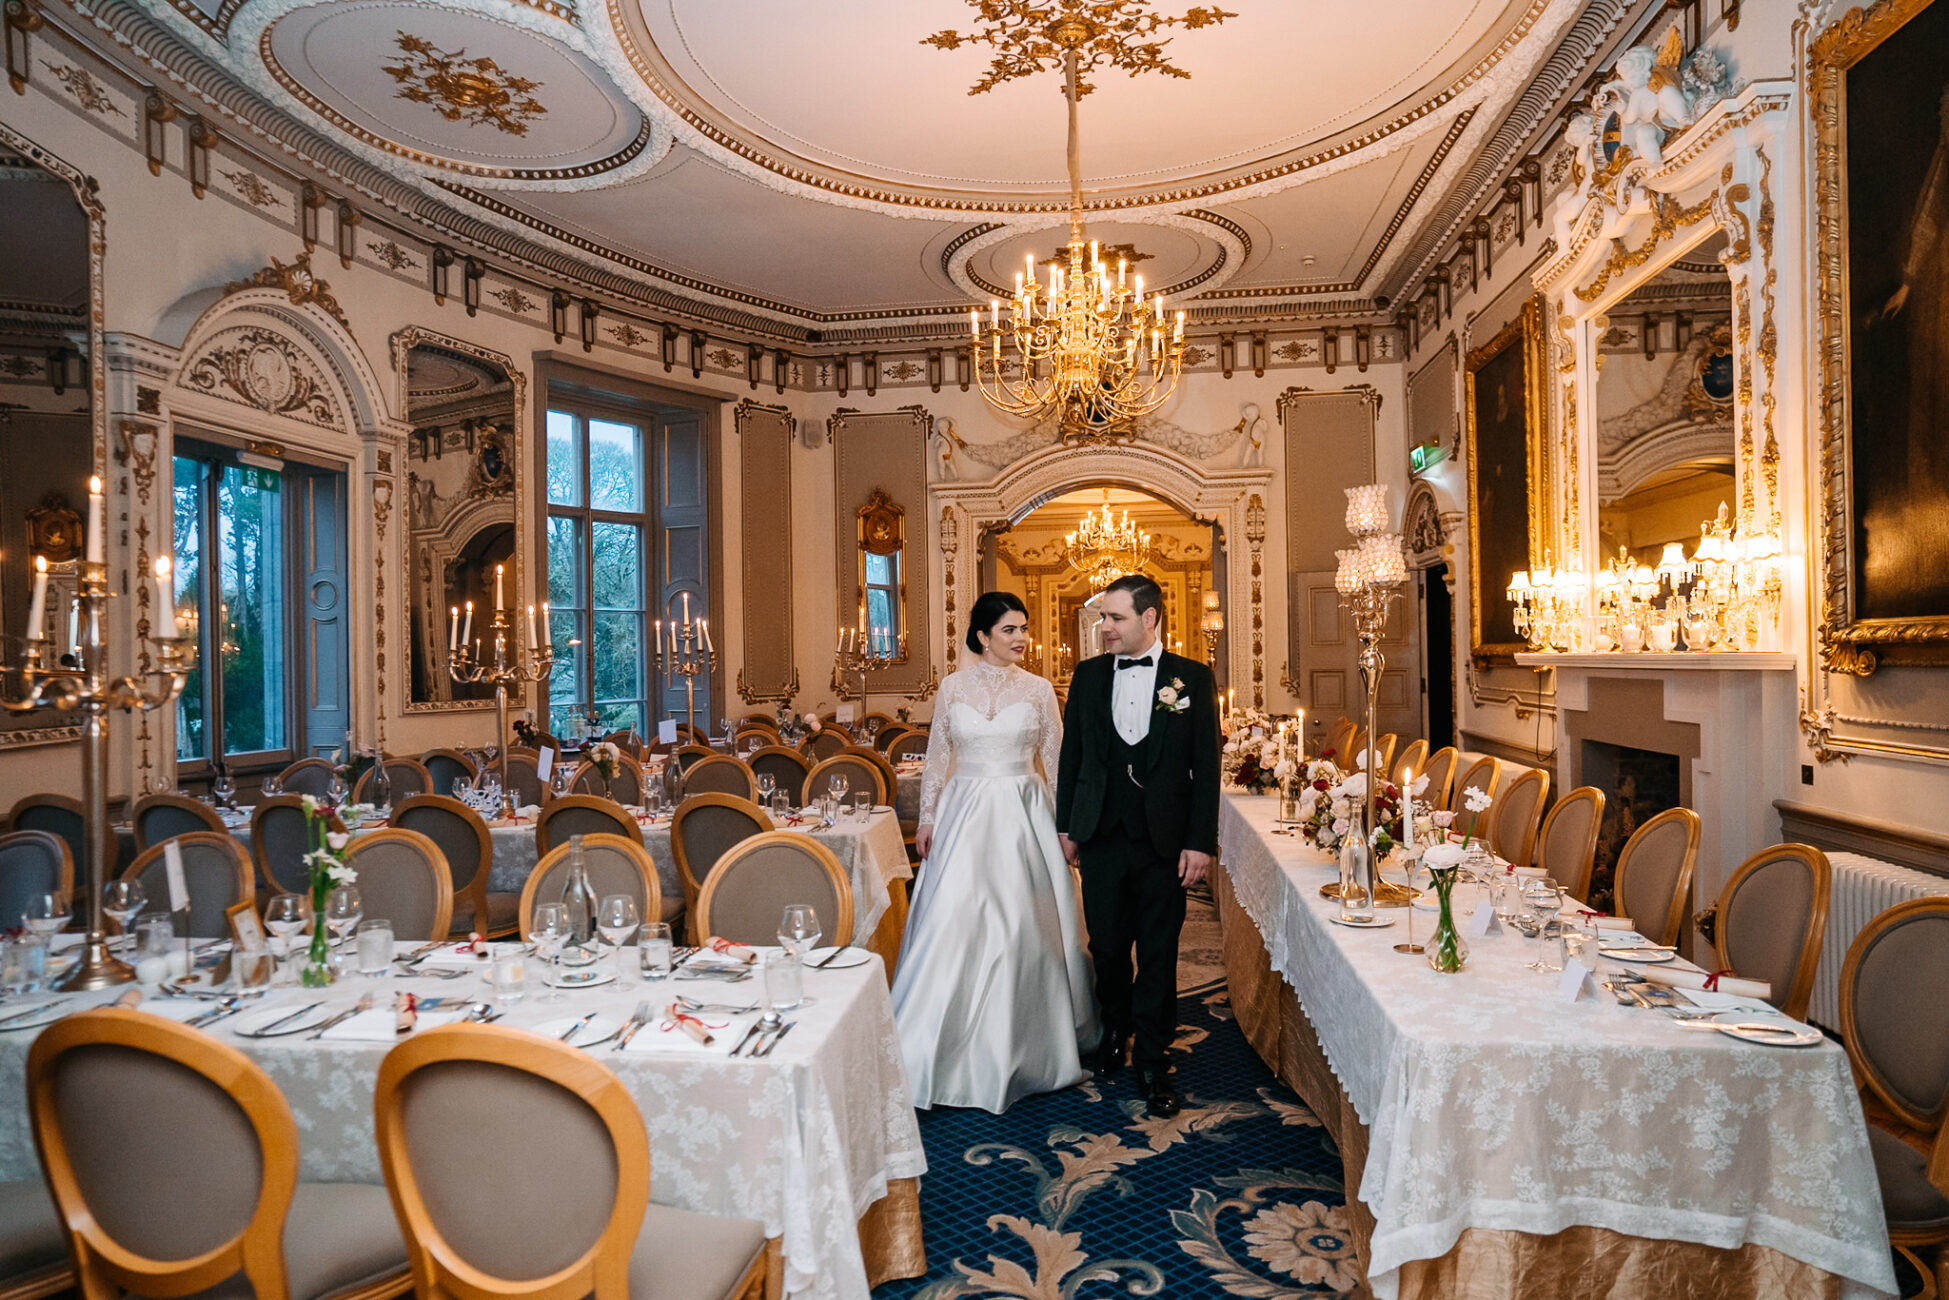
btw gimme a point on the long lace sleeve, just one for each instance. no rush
(940, 754)
(1049, 742)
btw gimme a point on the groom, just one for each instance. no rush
(1137, 805)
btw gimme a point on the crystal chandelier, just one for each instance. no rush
(1092, 349)
(1106, 547)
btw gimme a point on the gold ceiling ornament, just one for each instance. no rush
(477, 91)
(1092, 348)
(298, 283)
(1029, 37)
(1124, 253)
(1105, 547)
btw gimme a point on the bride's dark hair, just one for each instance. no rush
(989, 610)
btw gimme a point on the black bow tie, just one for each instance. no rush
(1133, 663)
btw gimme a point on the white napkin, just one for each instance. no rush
(1726, 1002)
(177, 1009)
(379, 1025)
(451, 959)
(654, 1038)
(1695, 979)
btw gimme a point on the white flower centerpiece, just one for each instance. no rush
(328, 870)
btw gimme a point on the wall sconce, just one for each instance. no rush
(588, 324)
(21, 18)
(1363, 346)
(842, 374)
(1548, 606)
(963, 367)
(754, 364)
(1409, 324)
(558, 314)
(472, 273)
(872, 365)
(157, 112)
(310, 199)
(669, 346)
(936, 369)
(1258, 353)
(437, 266)
(697, 341)
(202, 138)
(1330, 349)
(1227, 353)
(1648, 335)
(346, 231)
(781, 369)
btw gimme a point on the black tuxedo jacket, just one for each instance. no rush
(1180, 772)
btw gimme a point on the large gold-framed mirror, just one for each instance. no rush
(882, 576)
(462, 510)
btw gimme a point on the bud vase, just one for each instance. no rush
(1447, 952)
(317, 972)
(1356, 876)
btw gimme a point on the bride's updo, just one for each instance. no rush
(989, 610)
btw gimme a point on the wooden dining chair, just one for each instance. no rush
(1567, 847)
(573, 1217)
(1483, 774)
(404, 878)
(1770, 919)
(524, 775)
(705, 828)
(216, 871)
(31, 862)
(746, 736)
(889, 779)
(1441, 776)
(755, 881)
(625, 787)
(628, 741)
(721, 774)
(616, 865)
(158, 817)
(33, 1243)
(765, 720)
(307, 776)
(1339, 739)
(408, 777)
(786, 768)
(889, 733)
(1898, 1044)
(911, 744)
(860, 773)
(691, 734)
(823, 744)
(582, 814)
(1384, 751)
(280, 836)
(468, 847)
(1514, 816)
(448, 768)
(1412, 759)
(57, 814)
(1349, 760)
(173, 1162)
(1652, 883)
(690, 754)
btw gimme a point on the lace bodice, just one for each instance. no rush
(990, 719)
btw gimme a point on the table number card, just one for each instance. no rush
(545, 762)
(1576, 981)
(172, 865)
(1483, 919)
(246, 929)
(666, 732)
(844, 715)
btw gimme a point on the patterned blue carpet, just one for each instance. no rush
(1078, 1195)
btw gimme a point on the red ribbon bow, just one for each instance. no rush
(1712, 980)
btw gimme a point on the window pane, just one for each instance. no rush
(618, 566)
(564, 460)
(878, 573)
(251, 620)
(879, 609)
(190, 739)
(618, 656)
(564, 562)
(565, 674)
(615, 466)
(621, 715)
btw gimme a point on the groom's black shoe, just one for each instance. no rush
(1109, 1054)
(1160, 1098)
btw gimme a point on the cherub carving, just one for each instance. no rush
(1253, 426)
(950, 442)
(1648, 97)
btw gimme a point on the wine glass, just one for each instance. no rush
(550, 931)
(767, 782)
(616, 921)
(336, 789)
(271, 786)
(123, 900)
(799, 930)
(836, 787)
(873, 726)
(286, 916)
(752, 745)
(558, 780)
(224, 788)
(46, 913)
(1544, 901)
(342, 912)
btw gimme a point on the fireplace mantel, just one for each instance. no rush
(1746, 711)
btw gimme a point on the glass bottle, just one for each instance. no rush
(1356, 874)
(579, 896)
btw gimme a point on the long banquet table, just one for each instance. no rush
(817, 1140)
(1500, 1141)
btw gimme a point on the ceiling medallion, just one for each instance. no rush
(1029, 37)
(477, 91)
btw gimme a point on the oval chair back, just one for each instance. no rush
(746, 735)
(753, 883)
(705, 828)
(1483, 774)
(1772, 919)
(524, 774)
(1441, 776)
(823, 744)
(216, 872)
(721, 774)
(408, 777)
(786, 768)
(307, 776)
(626, 740)
(1514, 816)
(860, 773)
(889, 733)
(582, 814)
(616, 865)
(626, 787)
(32, 862)
(909, 744)
(160, 817)
(404, 878)
(759, 720)
(58, 815)
(1653, 881)
(203, 1195)
(688, 755)
(1349, 760)
(468, 847)
(1385, 747)
(1412, 759)
(1338, 738)
(279, 839)
(889, 779)
(447, 767)
(1567, 847)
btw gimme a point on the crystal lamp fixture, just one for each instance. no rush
(1106, 546)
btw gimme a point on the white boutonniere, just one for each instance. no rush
(1170, 699)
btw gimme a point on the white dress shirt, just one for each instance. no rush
(1133, 694)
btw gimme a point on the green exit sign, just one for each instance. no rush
(1425, 457)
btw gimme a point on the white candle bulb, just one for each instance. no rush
(95, 519)
(532, 640)
(705, 624)
(467, 632)
(500, 600)
(37, 605)
(686, 609)
(974, 323)
(165, 599)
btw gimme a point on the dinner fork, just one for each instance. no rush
(364, 1004)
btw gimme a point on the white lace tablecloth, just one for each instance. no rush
(873, 855)
(1494, 1104)
(803, 1140)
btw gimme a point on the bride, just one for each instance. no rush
(993, 997)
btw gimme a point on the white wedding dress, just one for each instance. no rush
(993, 998)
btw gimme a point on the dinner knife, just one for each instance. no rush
(750, 1029)
(576, 1028)
(281, 1021)
(30, 1012)
(776, 1039)
(829, 958)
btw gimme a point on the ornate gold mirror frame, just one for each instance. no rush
(1620, 225)
(513, 459)
(1517, 347)
(883, 531)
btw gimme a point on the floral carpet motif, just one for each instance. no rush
(1080, 1195)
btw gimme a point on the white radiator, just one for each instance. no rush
(1864, 888)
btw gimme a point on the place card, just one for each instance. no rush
(172, 864)
(843, 715)
(1483, 919)
(545, 762)
(666, 731)
(1576, 981)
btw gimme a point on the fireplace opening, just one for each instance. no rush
(1638, 784)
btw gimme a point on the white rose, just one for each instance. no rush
(1167, 697)
(1439, 856)
(1282, 769)
(337, 840)
(1340, 825)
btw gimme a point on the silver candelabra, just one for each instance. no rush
(511, 665)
